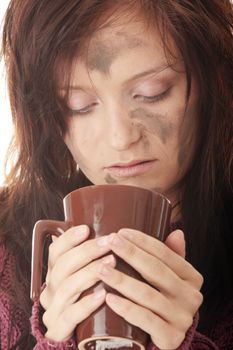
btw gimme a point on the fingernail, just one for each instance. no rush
(117, 241)
(102, 241)
(109, 259)
(81, 230)
(99, 294)
(126, 234)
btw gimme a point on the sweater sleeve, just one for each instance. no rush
(38, 333)
(11, 328)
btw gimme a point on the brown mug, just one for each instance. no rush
(105, 209)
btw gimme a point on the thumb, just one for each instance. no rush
(176, 242)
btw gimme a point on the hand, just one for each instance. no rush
(71, 270)
(165, 307)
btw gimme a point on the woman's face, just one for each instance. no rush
(130, 122)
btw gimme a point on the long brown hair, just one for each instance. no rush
(40, 37)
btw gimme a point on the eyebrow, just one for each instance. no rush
(137, 76)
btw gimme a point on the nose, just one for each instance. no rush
(122, 132)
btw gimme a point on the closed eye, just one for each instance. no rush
(154, 98)
(83, 111)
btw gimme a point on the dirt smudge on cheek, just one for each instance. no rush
(154, 123)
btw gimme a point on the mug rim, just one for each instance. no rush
(70, 194)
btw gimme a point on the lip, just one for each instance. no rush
(133, 168)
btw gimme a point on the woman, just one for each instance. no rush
(133, 92)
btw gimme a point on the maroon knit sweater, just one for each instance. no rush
(219, 338)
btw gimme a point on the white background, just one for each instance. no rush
(5, 115)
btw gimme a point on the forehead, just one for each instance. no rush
(121, 38)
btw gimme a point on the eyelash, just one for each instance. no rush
(145, 99)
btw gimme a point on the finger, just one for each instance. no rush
(60, 327)
(150, 267)
(164, 254)
(177, 313)
(135, 290)
(71, 238)
(163, 335)
(78, 257)
(176, 242)
(70, 289)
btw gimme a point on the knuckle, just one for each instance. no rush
(43, 299)
(198, 280)
(194, 299)
(46, 318)
(197, 299)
